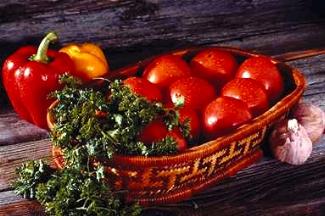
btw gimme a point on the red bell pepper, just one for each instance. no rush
(30, 74)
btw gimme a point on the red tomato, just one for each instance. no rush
(197, 92)
(250, 91)
(166, 69)
(262, 69)
(144, 88)
(223, 115)
(153, 132)
(188, 113)
(157, 130)
(215, 65)
(181, 142)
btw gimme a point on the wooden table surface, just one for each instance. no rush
(132, 30)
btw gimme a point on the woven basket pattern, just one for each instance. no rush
(144, 183)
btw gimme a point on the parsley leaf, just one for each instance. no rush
(90, 125)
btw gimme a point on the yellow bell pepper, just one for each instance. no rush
(88, 58)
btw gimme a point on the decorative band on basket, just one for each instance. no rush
(160, 180)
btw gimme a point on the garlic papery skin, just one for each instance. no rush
(312, 118)
(290, 142)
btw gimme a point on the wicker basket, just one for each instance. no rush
(168, 179)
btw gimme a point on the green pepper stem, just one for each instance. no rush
(41, 55)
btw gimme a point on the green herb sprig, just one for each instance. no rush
(71, 191)
(92, 124)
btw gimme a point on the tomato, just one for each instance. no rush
(153, 132)
(197, 92)
(223, 115)
(144, 88)
(250, 91)
(178, 137)
(166, 69)
(194, 122)
(215, 65)
(187, 113)
(156, 131)
(263, 70)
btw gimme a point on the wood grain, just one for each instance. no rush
(13, 205)
(11, 156)
(314, 70)
(144, 27)
(14, 130)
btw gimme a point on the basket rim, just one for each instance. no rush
(212, 146)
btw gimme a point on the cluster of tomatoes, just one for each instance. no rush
(219, 93)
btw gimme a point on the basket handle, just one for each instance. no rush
(291, 56)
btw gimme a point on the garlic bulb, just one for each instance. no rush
(290, 142)
(312, 118)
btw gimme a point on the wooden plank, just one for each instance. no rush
(314, 71)
(304, 36)
(301, 37)
(14, 130)
(141, 28)
(13, 205)
(125, 23)
(13, 156)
